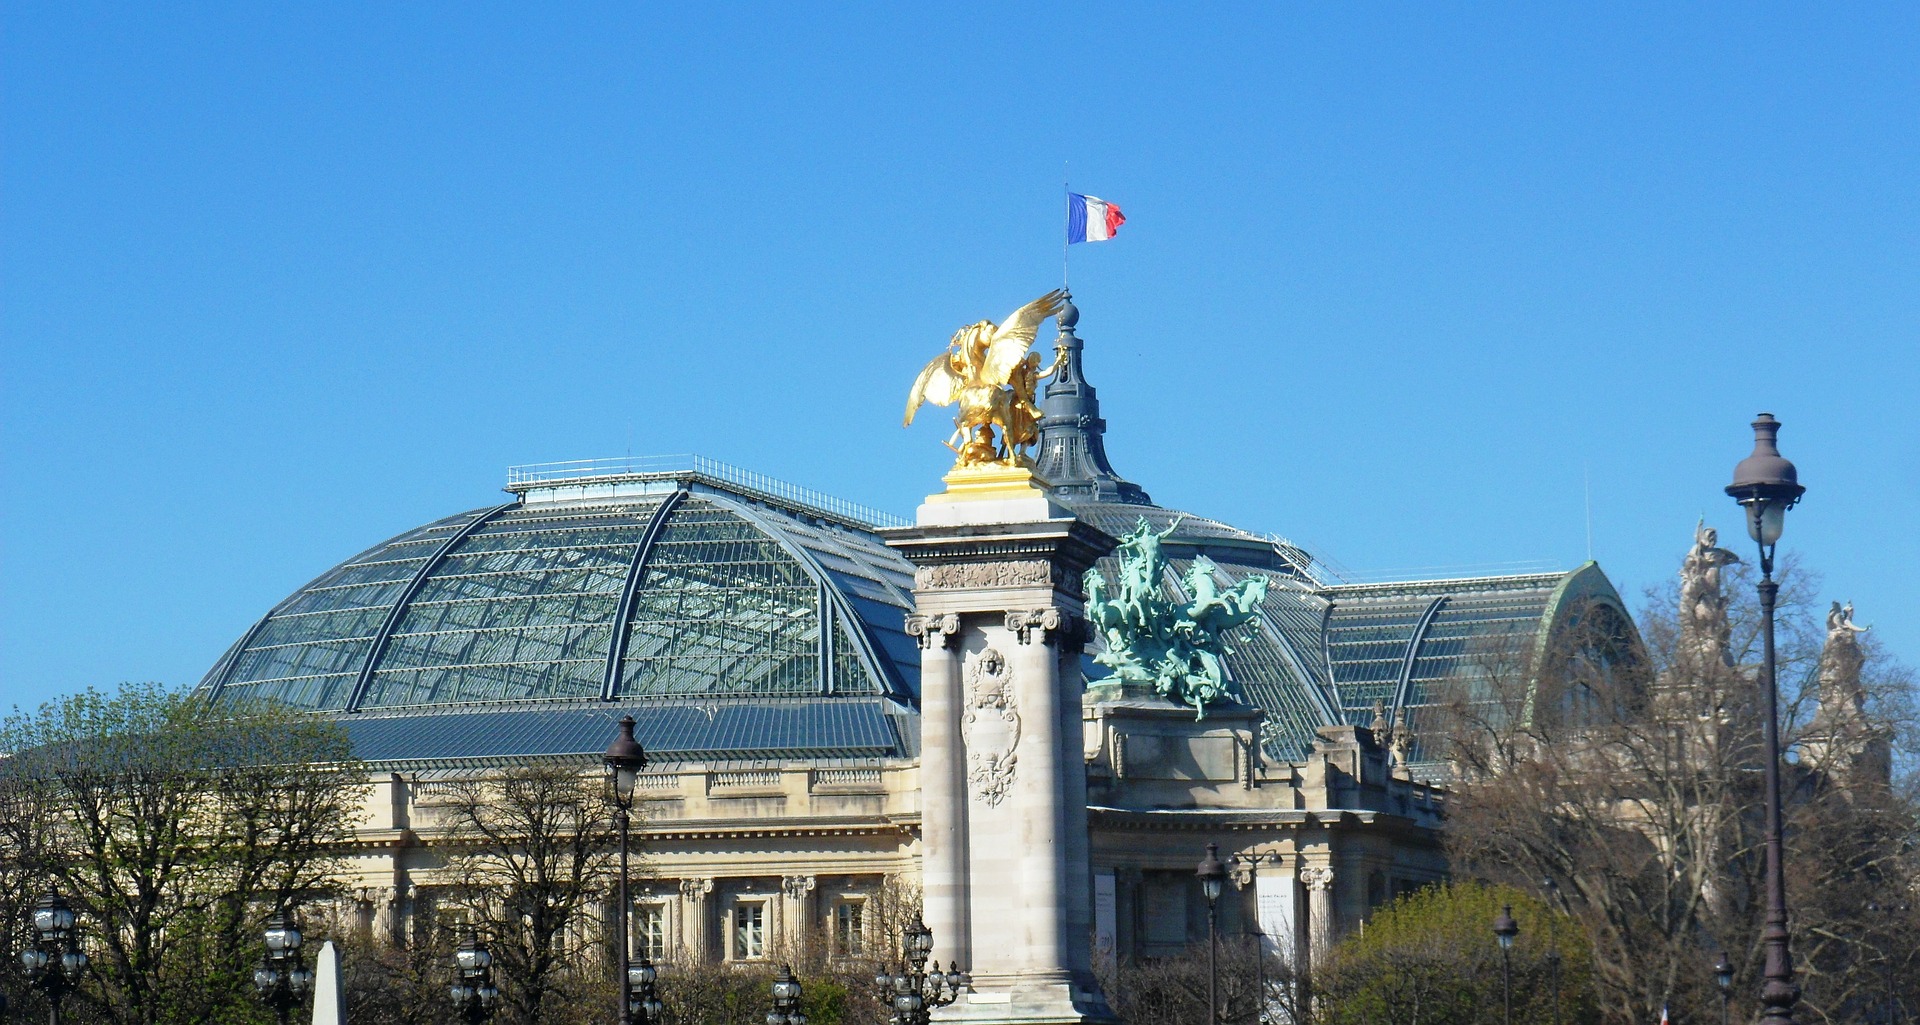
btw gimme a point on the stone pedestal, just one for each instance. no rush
(1007, 884)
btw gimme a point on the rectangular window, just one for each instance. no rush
(849, 935)
(650, 931)
(749, 931)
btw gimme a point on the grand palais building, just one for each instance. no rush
(756, 631)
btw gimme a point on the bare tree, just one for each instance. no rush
(531, 849)
(1636, 786)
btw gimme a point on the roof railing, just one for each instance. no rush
(690, 466)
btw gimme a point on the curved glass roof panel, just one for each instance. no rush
(723, 609)
(1410, 646)
(308, 651)
(521, 609)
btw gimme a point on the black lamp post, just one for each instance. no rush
(1723, 975)
(1259, 936)
(1553, 944)
(625, 759)
(786, 1000)
(473, 992)
(913, 992)
(1505, 929)
(282, 978)
(1213, 877)
(643, 1001)
(1767, 485)
(54, 962)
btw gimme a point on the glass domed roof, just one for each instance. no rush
(659, 585)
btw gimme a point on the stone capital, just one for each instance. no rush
(1049, 625)
(1318, 878)
(695, 889)
(797, 887)
(934, 631)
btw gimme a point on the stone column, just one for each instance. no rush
(943, 784)
(696, 910)
(797, 922)
(1318, 879)
(1000, 726)
(1040, 792)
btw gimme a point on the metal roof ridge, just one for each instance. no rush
(525, 478)
(1501, 578)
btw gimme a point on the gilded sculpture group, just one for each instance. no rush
(990, 372)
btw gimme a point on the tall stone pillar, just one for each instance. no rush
(696, 908)
(1318, 879)
(797, 921)
(943, 784)
(1008, 891)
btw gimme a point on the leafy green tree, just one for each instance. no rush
(1431, 958)
(174, 830)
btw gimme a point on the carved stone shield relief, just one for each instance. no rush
(992, 727)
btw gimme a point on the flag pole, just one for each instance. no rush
(1066, 211)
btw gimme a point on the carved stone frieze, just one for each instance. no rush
(1008, 573)
(991, 727)
(934, 631)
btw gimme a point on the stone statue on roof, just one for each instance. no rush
(1704, 627)
(1171, 643)
(1840, 624)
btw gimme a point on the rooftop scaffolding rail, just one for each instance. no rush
(586, 472)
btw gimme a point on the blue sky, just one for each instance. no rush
(1396, 281)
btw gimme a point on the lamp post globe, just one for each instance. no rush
(643, 1001)
(53, 959)
(786, 999)
(473, 992)
(282, 977)
(911, 990)
(1504, 930)
(1766, 485)
(625, 760)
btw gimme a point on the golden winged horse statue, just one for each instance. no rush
(990, 372)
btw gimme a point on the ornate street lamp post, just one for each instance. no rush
(913, 992)
(1505, 929)
(282, 978)
(786, 1000)
(1723, 976)
(473, 992)
(625, 759)
(54, 962)
(1767, 485)
(643, 1002)
(1213, 877)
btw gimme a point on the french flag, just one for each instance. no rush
(1091, 219)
